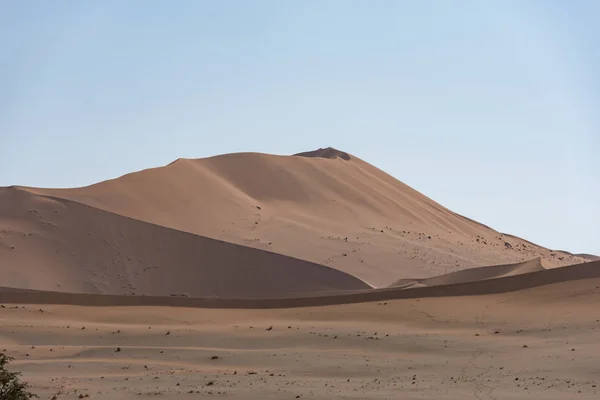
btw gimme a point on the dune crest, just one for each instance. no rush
(328, 152)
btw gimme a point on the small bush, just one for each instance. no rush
(10, 386)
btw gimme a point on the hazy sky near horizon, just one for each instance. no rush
(488, 107)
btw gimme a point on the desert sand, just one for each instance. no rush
(541, 343)
(340, 221)
(254, 276)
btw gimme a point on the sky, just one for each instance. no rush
(488, 107)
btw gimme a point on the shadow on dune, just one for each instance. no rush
(59, 243)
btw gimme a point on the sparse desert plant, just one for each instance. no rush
(11, 388)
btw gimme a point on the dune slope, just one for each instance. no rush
(56, 244)
(474, 274)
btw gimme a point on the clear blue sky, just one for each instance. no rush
(489, 107)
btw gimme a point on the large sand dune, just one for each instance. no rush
(326, 207)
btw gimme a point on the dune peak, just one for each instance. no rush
(328, 152)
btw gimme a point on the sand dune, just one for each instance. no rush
(474, 274)
(287, 262)
(56, 244)
(326, 207)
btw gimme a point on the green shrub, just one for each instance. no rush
(10, 386)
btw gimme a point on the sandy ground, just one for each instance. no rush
(541, 343)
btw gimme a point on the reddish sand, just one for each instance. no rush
(536, 343)
(334, 222)
(252, 276)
